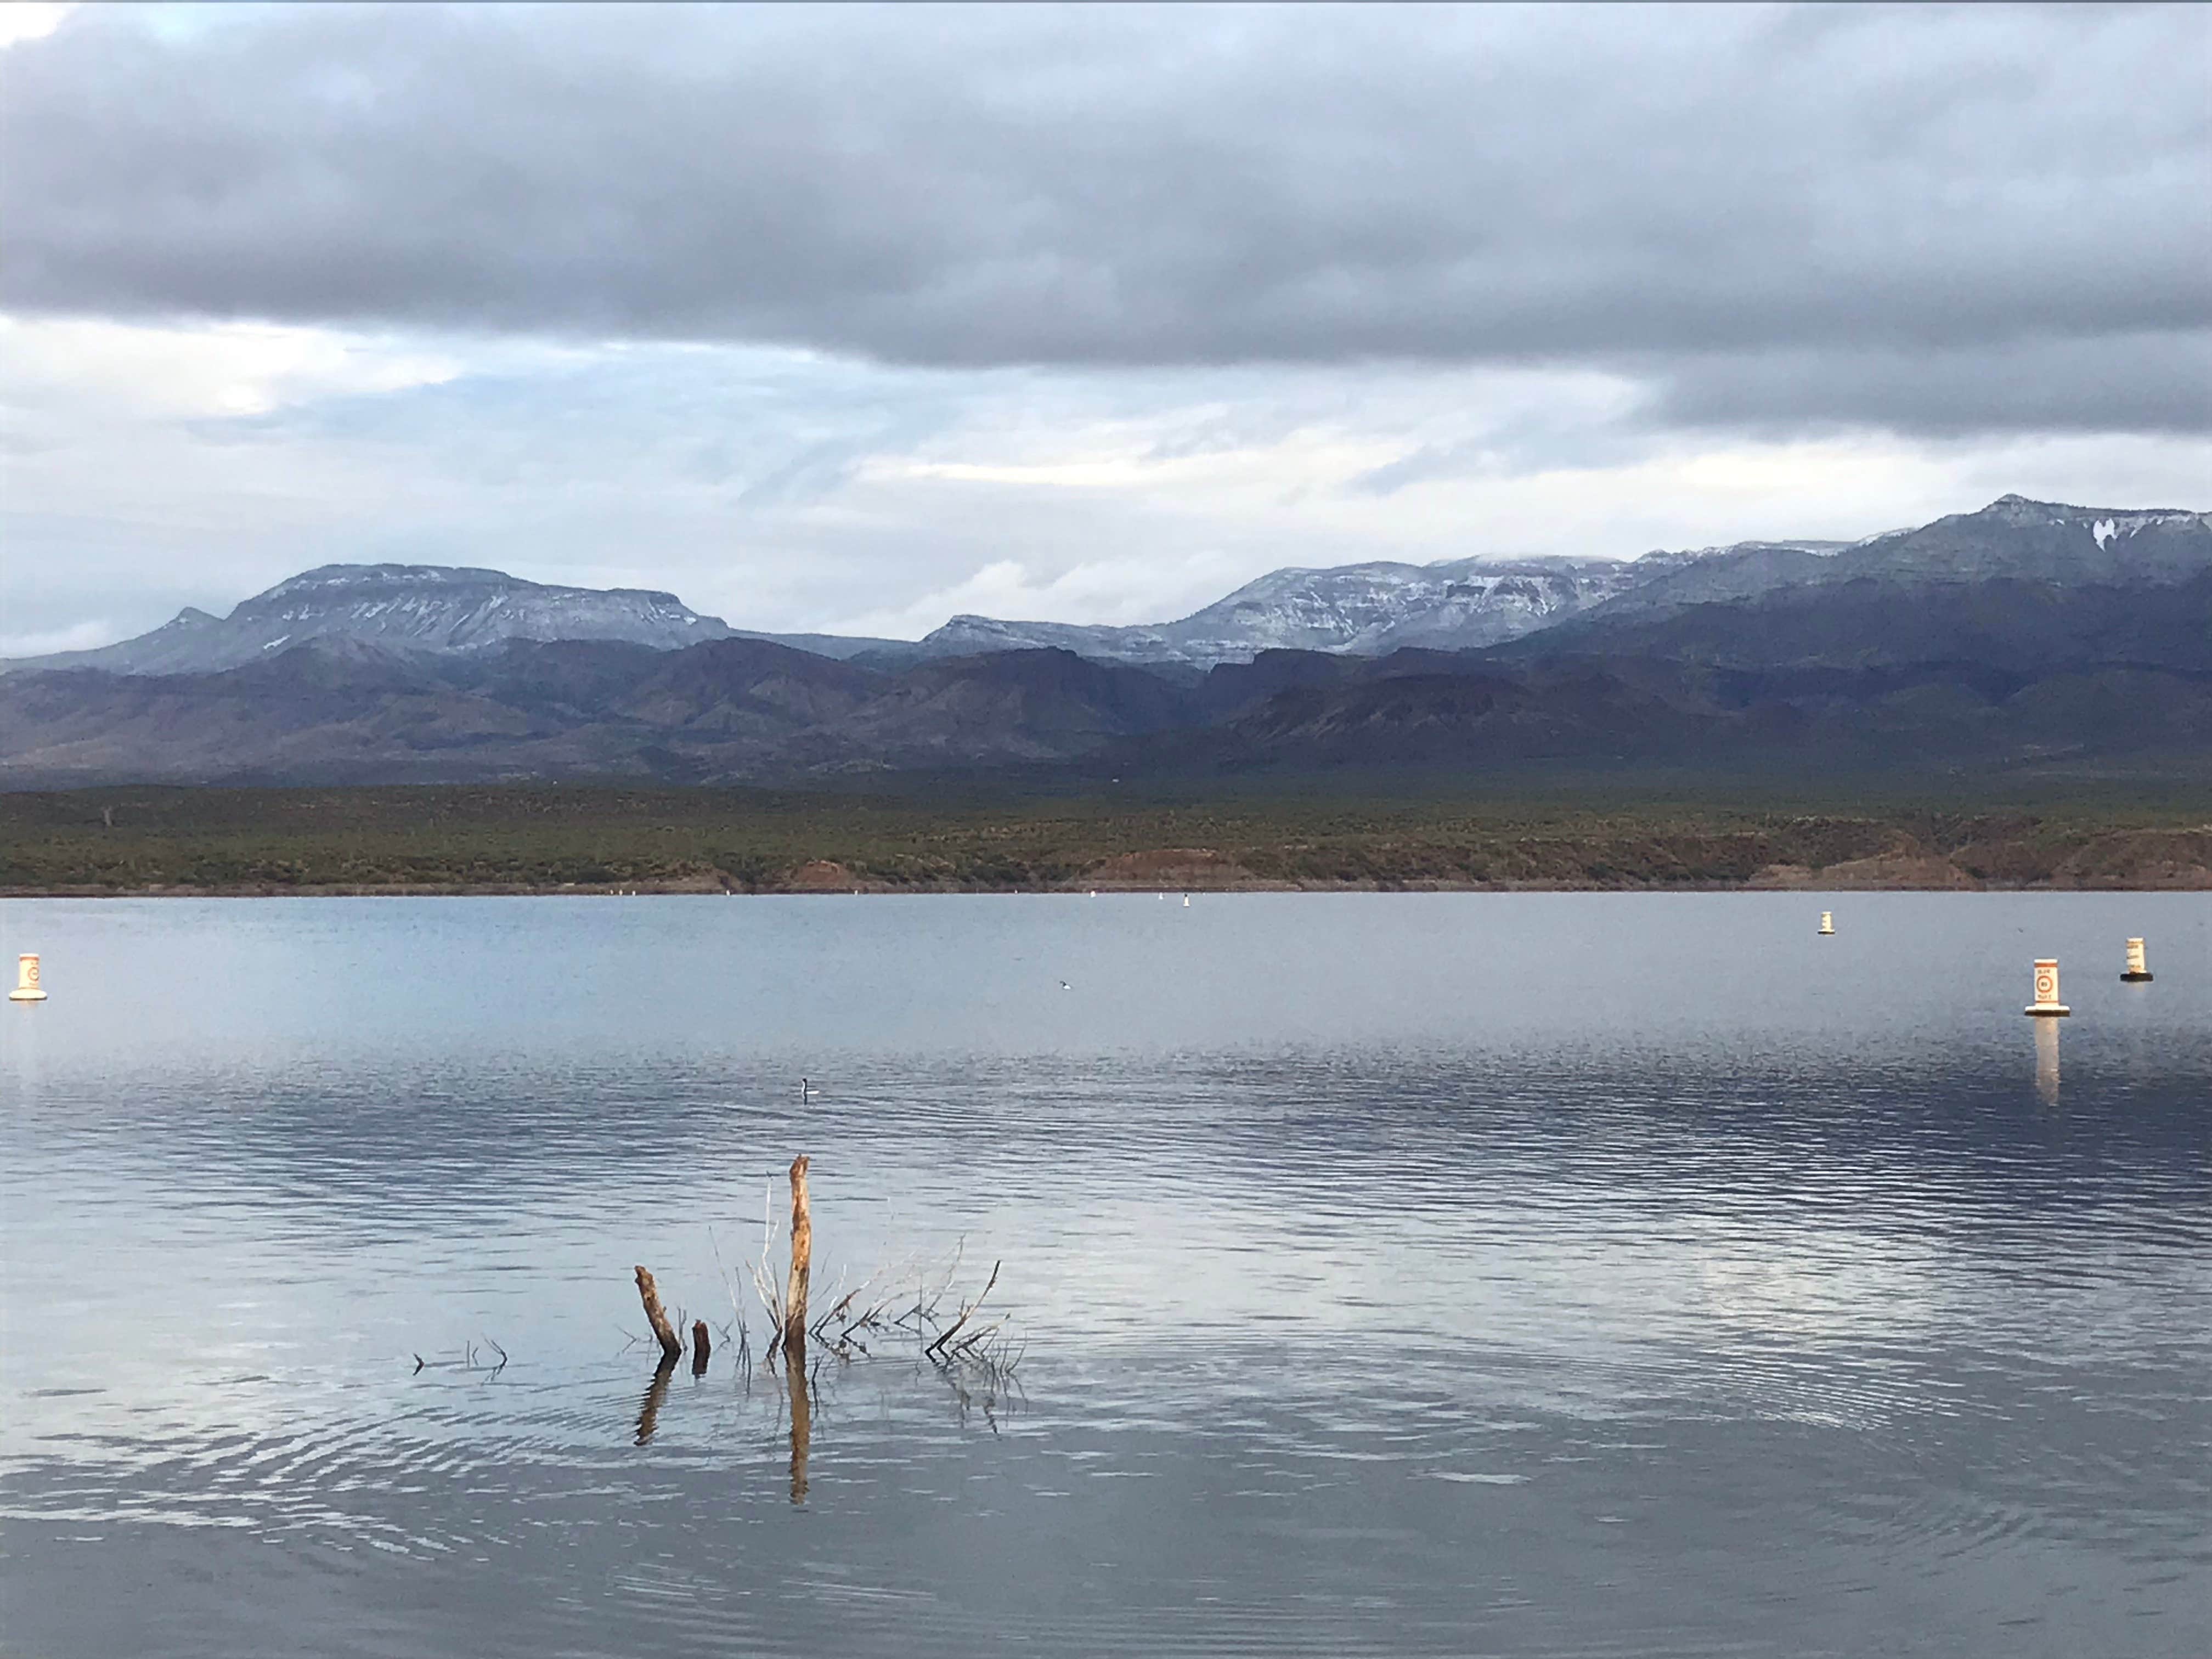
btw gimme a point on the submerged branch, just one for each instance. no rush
(966, 1314)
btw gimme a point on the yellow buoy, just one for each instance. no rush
(27, 988)
(1827, 922)
(2046, 989)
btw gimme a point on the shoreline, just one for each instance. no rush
(494, 890)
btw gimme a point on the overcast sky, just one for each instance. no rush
(852, 318)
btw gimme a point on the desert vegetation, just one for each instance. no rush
(541, 838)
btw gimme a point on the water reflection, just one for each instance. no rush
(798, 1390)
(2046, 1060)
(656, 1395)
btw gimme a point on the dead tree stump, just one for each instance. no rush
(802, 1258)
(701, 1347)
(649, 1293)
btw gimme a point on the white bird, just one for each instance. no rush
(1064, 986)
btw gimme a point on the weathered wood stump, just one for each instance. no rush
(802, 1257)
(649, 1293)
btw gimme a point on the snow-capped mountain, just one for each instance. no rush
(401, 607)
(1363, 609)
(1358, 610)
(2042, 541)
(2011, 537)
(1372, 609)
(2024, 630)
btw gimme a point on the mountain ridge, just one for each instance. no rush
(2019, 636)
(421, 607)
(1367, 609)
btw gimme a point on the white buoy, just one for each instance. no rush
(1186, 900)
(2046, 989)
(27, 988)
(2138, 971)
(1827, 922)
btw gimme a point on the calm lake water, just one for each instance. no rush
(1458, 1273)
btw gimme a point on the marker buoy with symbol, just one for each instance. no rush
(2046, 989)
(27, 988)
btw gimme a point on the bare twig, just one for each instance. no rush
(966, 1313)
(730, 1285)
(983, 1336)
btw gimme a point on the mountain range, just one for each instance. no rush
(1366, 609)
(2028, 632)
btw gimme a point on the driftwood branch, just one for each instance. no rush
(649, 1293)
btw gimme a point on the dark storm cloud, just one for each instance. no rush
(1775, 217)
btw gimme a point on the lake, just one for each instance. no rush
(1545, 1273)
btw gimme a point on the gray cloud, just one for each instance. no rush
(2160, 382)
(1905, 218)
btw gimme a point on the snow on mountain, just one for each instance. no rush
(1368, 609)
(2042, 541)
(1465, 603)
(1362, 609)
(2013, 537)
(400, 607)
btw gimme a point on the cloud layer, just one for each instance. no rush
(1942, 221)
(850, 318)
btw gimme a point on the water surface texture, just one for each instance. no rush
(1543, 1274)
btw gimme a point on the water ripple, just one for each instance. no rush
(1396, 1277)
